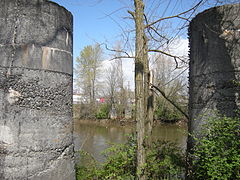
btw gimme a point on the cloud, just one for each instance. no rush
(178, 48)
(128, 70)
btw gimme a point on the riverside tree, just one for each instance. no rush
(87, 72)
(115, 82)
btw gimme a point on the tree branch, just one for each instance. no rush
(158, 34)
(170, 101)
(132, 14)
(120, 51)
(167, 54)
(120, 57)
(174, 16)
(175, 77)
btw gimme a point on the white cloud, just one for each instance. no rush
(178, 48)
(128, 70)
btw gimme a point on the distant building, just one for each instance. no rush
(77, 98)
(102, 100)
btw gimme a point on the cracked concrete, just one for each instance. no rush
(36, 140)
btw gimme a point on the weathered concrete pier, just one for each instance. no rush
(214, 65)
(36, 128)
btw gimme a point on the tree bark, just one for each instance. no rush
(139, 86)
(150, 109)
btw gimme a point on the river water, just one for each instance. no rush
(95, 138)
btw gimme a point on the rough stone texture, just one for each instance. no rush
(36, 139)
(214, 64)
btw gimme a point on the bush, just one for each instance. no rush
(164, 160)
(90, 168)
(167, 112)
(217, 153)
(121, 161)
(103, 111)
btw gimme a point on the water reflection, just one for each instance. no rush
(95, 138)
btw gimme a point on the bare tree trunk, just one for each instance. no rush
(139, 86)
(148, 97)
(150, 109)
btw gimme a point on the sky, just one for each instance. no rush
(100, 21)
(90, 22)
(103, 21)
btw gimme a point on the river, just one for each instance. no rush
(95, 138)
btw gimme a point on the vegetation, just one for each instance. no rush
(150, 37)
(174, 88)
(103, 111)
(216, 156)
(167, 114)
(164, 160)
(217, 152)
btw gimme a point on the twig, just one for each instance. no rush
(120, 57)
(175, 77)
(174, 16)
(120, 51)
(167, 54)
(169, 100)
(132, 14)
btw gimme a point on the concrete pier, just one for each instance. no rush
(36, 140)
(214, 66)
(214, 63)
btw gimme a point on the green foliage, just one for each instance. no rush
(167, 112)
(90, 168)
(103, 111)
(121, 161)
(87, 71)
(163, 160)
(217, 152)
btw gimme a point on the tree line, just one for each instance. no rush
(106, 93)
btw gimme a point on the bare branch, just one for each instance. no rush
(132, 14)
(108, 15)
(120, 51)
(186, 19)
(175, 77)
(158, 33)
(174, 16)
(170, 101)
(167, 54)
(124, 32)
(121, 57)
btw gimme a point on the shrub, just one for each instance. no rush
(90, 168)
(167, 112)
(217, 153)
(103, 111)
(163, 160)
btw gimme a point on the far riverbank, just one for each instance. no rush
(127, 122)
